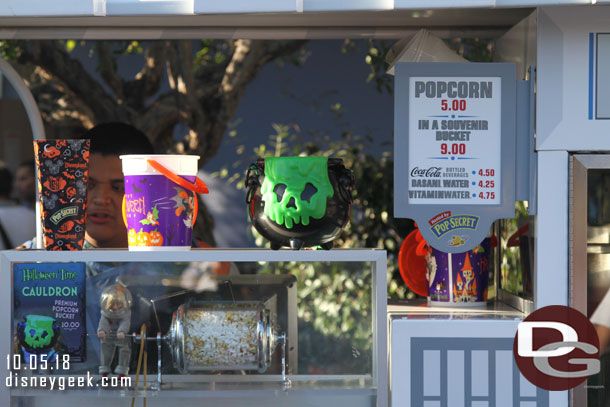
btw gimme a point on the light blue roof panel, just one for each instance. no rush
(68, 8)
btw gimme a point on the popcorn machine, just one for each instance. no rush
(241, 326)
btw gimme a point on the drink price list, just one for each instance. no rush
(454, 140)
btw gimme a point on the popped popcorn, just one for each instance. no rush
(221, 339)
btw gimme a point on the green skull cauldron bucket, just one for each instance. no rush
(37, 333)
(299, 201)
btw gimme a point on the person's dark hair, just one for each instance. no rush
(6, 181)
(118, 138)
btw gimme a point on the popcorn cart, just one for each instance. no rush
(251, 341)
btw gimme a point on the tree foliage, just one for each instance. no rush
(195, 84)
(335, 299)
(335, 305)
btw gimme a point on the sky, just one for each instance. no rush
(304, 95)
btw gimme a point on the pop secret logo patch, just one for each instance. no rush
(444, 223)
(64, 213)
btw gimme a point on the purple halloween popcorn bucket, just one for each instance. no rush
(458, 279)
(160, 202)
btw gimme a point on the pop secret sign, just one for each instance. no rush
(454, 149)
(445, 223)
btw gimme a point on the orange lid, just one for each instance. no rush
(412, 267)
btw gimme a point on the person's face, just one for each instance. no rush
(25, 184)
(105, 226)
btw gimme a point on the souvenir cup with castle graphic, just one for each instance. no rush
(160, 202)
(448, 279)
(458, 279)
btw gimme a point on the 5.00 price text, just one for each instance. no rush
(456, 104)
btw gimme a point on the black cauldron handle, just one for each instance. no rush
(252, 180)
(347, 181)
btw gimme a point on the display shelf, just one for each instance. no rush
(155, 276)
(419, 309)
(208, 384)
(236, 255)
(298, 397)
(222, 390)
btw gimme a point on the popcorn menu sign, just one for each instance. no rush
(454, 145)
(454, 149)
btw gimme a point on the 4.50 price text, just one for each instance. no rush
(487, 172)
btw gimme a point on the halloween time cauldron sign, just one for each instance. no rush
(299, 201)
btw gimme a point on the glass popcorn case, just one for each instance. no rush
(213, 327)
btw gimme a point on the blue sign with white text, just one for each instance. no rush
(49, 309)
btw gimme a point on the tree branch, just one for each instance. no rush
(248, 59)
(106, 65)
(205, 100)
(155, 119)
(51, 56)
(148, 81)
(56, 103)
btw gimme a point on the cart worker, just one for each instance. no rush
(17, 223)
(104, 226)
(25, 184)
